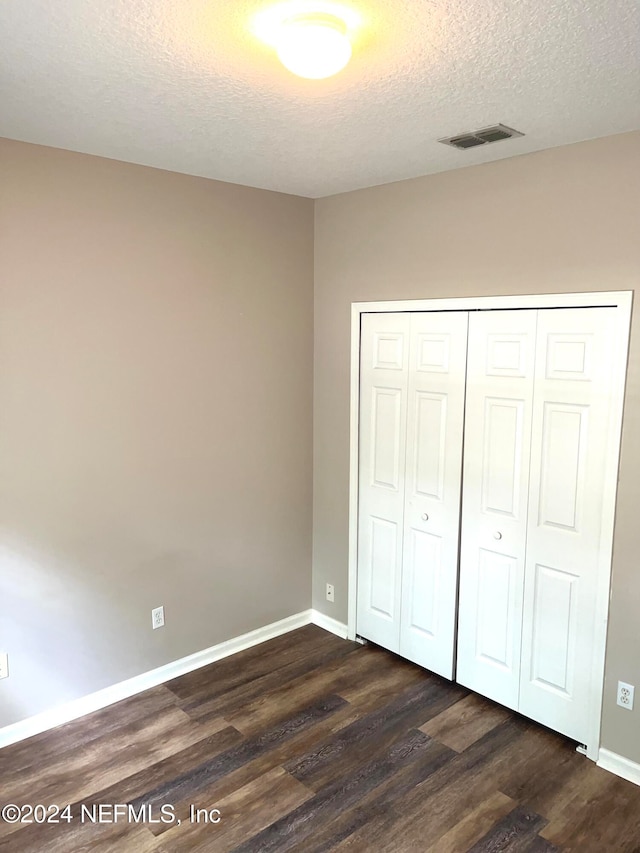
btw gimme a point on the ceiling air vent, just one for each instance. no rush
(481, 137)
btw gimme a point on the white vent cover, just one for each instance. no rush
(495, 133)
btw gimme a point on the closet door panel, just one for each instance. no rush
(497, 577)
(497, 441)
(570, 433)
(383, 422)
(436, 388)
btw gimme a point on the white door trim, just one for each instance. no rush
(622, 301)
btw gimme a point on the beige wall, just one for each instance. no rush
(155, 417)
(566, 219)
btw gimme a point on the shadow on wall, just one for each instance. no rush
(34, 630)
(69, 631)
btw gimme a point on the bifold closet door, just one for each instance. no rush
(435, 418)
(536, 439)
(384, 380)
(412, 381)
(497, 441)
(571, 431)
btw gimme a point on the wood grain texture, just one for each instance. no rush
(465, 722)
(514, 833)
(474, 826)
(307, 744)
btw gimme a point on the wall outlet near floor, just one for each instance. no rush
(157, 617)
(331, 596)
(625, 695)
(4, 665)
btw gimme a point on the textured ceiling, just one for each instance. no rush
(184, 85)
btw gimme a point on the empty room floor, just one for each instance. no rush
(311, 743)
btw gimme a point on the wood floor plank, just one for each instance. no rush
(474, 825)
(372, 733)
(514, 833)
(541, 845)
(392, 674)
(436, 805)
(466, 721)
(417, 823)
(241, 687)
(243, 814)
(539, 790)
(383, 799)
(80, 838)
(604, 814)
(188, 785)
(247, 665)
(214, 789)
(460, 786)
(103, 761)
(324, 746)
(331, 678)
(313, 815)
(133, 788)
(19, 757)
(572, 804)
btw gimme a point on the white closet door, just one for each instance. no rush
(384, 358)
(570, 434)
(494, 510)
(437, 368)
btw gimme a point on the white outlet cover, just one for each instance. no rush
(157, 617)
(4, 665)
(625, 695)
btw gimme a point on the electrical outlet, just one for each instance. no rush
(157, 618)
(330, 592)
(625, 695)
(4, 665)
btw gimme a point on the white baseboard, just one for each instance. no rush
(619, 765)
(102, 698)
(329, 624)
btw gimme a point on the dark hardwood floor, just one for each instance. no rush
(310, 743)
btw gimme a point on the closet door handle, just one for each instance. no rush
(497, 535)
(425, 516)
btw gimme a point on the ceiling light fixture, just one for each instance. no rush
(314, 46)
(312, 38)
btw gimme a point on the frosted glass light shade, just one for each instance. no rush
(314, 46)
